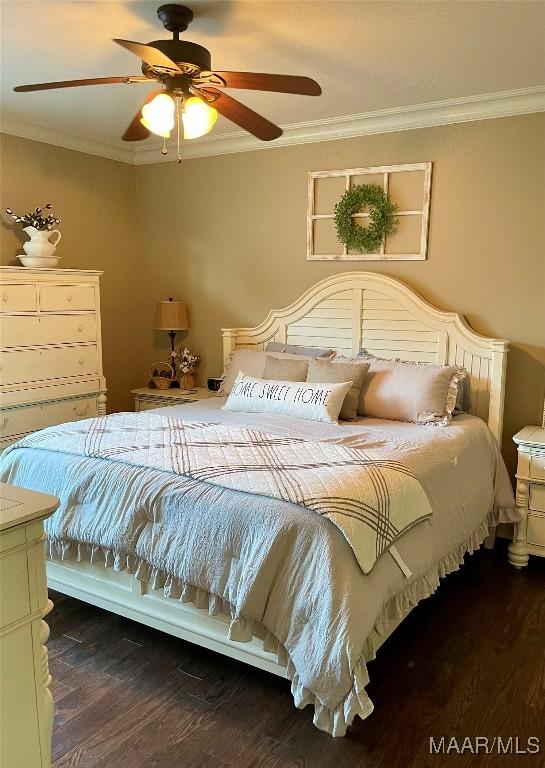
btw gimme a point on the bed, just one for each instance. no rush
(246, 580)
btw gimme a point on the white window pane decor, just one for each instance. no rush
(407, 186)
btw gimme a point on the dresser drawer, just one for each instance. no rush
(29, 419)
(39, 364)
(537, 466)
(24, 331)
(18, 298)
(20, 420)
(61, 297)
(535, 533)
(70, 410)
(537, 497)
(14, 588)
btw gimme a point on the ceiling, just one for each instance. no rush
(367, 56)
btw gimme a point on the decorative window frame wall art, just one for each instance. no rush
(409, 188)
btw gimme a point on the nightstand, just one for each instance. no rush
(146, 398)
(529, 536)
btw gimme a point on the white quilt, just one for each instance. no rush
(372, 498)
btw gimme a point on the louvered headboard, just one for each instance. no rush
(363, 309)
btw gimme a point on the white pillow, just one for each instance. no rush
(250, 361)
(317, 402)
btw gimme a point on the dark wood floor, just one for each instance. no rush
(470, 661)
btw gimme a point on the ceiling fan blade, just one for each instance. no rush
(76, 83)
(136, 131)
(261, 81)
(149, 54)
(242, 115)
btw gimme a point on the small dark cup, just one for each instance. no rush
(214, 384)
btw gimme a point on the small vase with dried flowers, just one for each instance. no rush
(39, 250)
(189, 362)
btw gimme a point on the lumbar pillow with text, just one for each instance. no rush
(317, 402)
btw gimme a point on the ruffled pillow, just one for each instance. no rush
(462, 395)
(422, 393)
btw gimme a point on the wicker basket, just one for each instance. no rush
(162, 382)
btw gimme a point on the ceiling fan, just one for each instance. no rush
(190, 89)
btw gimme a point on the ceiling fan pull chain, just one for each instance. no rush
(179, 158)
(164, 151)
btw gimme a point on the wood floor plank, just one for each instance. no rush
(469, 661)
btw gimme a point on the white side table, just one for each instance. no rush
(26, 721)
(146, 398)
(529, 536)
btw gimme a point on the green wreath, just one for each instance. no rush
(381, 217)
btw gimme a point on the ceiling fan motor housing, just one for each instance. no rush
(175, 17)
(190, 57)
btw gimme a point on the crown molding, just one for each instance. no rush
(461, 110)
(27, 130)
(482, 107)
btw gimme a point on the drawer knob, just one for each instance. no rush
(80, 327)
(5, 297)
(4, 422)
(81, 411)
(81, 360)
(69, 298)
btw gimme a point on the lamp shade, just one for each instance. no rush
(171, 316)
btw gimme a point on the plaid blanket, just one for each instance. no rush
(372, 499)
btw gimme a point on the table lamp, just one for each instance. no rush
(171, 316)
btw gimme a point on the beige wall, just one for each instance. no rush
(228, 235)
(95, 198)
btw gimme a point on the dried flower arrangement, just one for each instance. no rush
(35, 219)
(189, 360)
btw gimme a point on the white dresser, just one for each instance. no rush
(529, 536)
(26, 720)
(51, 351)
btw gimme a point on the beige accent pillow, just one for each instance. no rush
(333, 372)
(302, 400)
(285, 369)
(251, 362)
(399, 391)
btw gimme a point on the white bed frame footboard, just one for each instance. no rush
(345, 312)
(122, 594)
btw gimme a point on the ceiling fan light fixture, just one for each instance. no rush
(198, 118)
(158, 115)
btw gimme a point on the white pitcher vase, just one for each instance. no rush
(39, 250)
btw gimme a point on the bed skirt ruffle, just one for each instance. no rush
(333, 721)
